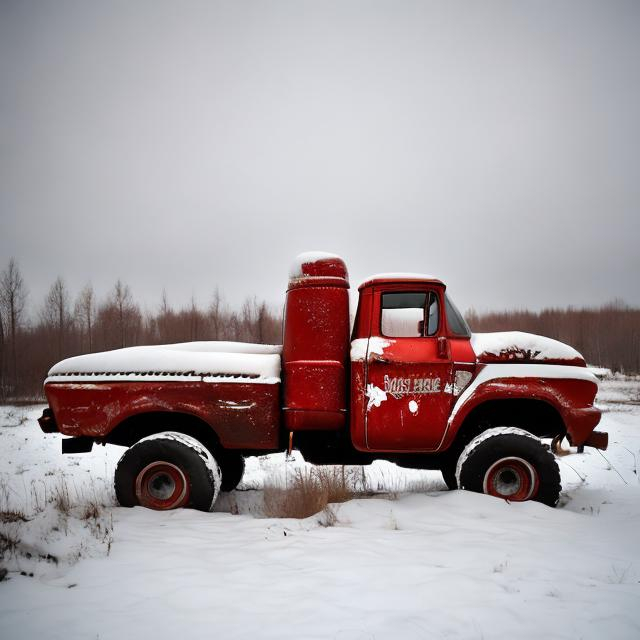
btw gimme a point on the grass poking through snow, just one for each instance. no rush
(60, 524)
(310, 490)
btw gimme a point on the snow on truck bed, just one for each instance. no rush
(209, 361)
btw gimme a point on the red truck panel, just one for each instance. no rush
(242, 415)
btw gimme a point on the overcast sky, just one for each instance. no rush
(192, 144)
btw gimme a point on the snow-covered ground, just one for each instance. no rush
(416, 561)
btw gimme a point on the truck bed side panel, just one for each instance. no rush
(244, 416)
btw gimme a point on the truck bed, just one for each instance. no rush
(232, 387)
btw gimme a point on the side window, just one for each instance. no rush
(433, 314)
(404, 314)
(456, 321)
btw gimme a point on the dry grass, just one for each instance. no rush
(12, 515)
(61, 498)
(91, 511)
(20, 521)
(8, 543)
(10, 521)
(310, 490)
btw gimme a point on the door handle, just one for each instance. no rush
(443, 348)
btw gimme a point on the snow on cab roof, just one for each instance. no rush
(398, 277)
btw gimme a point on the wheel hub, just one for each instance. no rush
(162, 485)
(511, 478)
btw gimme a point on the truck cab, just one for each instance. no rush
(411, 355)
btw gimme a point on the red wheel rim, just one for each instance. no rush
(162, 485)
(513, 479)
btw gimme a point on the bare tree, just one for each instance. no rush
(250, 310)
(164, 319)
(55, 313)
(84, 312)
(215, 315)
(127, 313)
(194, 319)
(233, 327)
(165, 307)
(13, 294)
(258, 323)
(2, 359)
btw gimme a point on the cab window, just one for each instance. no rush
(408, 314)
(455, 320)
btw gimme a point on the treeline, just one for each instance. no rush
(608, 336)
(35, 336)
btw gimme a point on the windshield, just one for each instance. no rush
(457, 324)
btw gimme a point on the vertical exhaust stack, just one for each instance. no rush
(316, 343)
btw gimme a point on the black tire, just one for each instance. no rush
(512, 464)
(167, 471)
(232, 468)
(449, 476)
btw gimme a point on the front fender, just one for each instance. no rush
(569, 390)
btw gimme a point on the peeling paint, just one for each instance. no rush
(363, 348)
(461, 380)
(376, 396)
(229, 404)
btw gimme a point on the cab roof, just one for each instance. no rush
(386, 278)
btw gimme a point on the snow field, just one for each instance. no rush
(428, 564)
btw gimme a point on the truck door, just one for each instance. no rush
(408, 371)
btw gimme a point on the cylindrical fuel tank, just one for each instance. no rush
(316, 343)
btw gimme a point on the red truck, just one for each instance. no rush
(407, 383)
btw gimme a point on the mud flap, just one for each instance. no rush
(81, 444)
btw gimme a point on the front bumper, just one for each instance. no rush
(581, 423)
(597, 440)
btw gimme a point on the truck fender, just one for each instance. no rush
(496, 393)
(568, 389)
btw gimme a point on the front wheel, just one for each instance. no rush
(448, 471)
(166, 471)
(512, 464)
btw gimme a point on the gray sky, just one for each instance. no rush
(195, 144)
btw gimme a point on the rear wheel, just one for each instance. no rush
(232, 468)
(167, 471)
(512, 464)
